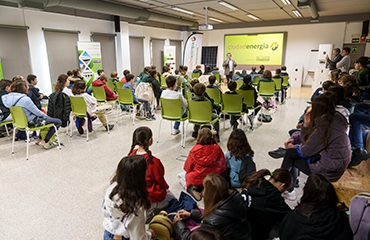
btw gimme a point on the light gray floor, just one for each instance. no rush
(58, 194)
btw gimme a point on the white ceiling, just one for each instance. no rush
(266, 10)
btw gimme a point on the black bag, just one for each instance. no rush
(265, 118)
(37, 122)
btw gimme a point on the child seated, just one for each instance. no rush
(32, 82)
(101, 83)
(253, 71)
(204, 158)
(198, 69)
(247, 79)
(216, 71)
(166, 71)
(237, 76)
(199, 90)
(144, 75)
(212, 82)
(244, 72)
(114, 78)
(266, 77)
(125, 72)
(232, 90)
(79, 89)
(239, 158)
(279, 78)
(157, 89)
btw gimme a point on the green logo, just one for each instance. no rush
(274, 46)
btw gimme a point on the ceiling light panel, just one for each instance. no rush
(215, 19)
(286, 2)
(182, 10)
(297, 13)
(252, 16)
(228, 5)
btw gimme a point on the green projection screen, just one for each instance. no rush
(256, 49)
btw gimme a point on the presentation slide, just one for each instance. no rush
(256, 49)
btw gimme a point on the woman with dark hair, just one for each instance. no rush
(224, 210)
(207, 233)
(267, 207)
(59, 103)
(325, 147)
(319, 214)
(126, 201)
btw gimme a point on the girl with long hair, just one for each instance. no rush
(319, 214)
(224, 210)
(159, 193)
(126, 200)
(325, 147)
(267, 207)
(239, 158)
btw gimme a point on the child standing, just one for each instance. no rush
(159, 194)
(239, 158)
(204, 158)
(126, 200)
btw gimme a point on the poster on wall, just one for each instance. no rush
(89, 57)
(170, 57)
(253, 50)
(193, 51)
(1, 71)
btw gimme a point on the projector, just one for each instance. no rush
(205, 27)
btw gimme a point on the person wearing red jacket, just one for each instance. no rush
(204, 158)
(101, 83)
(159, 193)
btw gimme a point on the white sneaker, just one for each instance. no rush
(175, 131)
(291, 196)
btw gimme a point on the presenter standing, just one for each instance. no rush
(229, 66)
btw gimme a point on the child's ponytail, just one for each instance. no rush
(255, 178)
(141, 137)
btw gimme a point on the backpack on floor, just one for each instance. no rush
(265, 118)
(162, 226)
(360, 216)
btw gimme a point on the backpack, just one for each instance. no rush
(360, 216)
(265, 118)
(162, 226)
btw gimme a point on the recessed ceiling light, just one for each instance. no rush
(228, 5)
(252, 16)
(215, 19)
(297, 13)
(286, 2)
(182, 10)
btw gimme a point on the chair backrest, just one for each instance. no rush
(18, 116)
(158, 78)
(200, 111)
(232, 103)
(277, 83)
(99, 94)
(239, 83)
(125, 96)
(119, 85)
(256, 79)
(285, 80)
(171, 109)
(195, 75)
(215, 94)
(110, 85)
(78, 105)
(267, 89)
(218, 76)
(248, 97)
(188, 95)
(163, 82)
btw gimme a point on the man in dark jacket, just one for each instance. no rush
(337, 57)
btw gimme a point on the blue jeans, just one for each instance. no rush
(109, 236)
(362, 108)
(177, 123)
(356, 120)
(57, 122)
(89, 91)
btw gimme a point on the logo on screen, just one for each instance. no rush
(193, 39)
(274, 46)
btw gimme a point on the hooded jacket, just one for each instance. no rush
(20, 99)
(4, 110)
(329, 224)
(337, 155)
(59, 107)
(230, 218)
(203, 160)
(108, 92)
(156, 86)
(267, 209)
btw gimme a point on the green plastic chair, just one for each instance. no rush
(158, 78)
(232, 104)
(286, 84)
(163, 82)
(239, 83)
(4, 124)
(78, 106)
(20, 122)
(200, 113)
(195, 75)
(125, 97)
(256, 79)
(99, 94)
(215, 94)
(119, 85)
(188, 95)
(267, 89)
(171, 110)
(249, 100)
(110, 85)
(278, 84)
(218, 77)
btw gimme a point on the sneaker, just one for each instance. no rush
(175, 131)
(291, 196)
(278, 153)
(158, 107)
(358, 155)
(138, 115)
(149, 118)
(250, 118)
(47, 145)
(110, 127)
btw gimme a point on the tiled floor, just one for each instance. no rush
(58, 194)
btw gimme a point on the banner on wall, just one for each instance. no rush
(193, 51)
(89, 57)
(170, 57)
(1, 71)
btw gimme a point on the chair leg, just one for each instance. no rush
(57, 137)
(182, 134)
(185, 134)
(6, 129)
(275, 107)
(87, 131)
(224, 120)
(133, 114)
(14, 128)
(107, 124)
(28, 141)
(159, 129)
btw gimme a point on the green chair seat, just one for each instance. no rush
(195, 75)
(79, 109)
